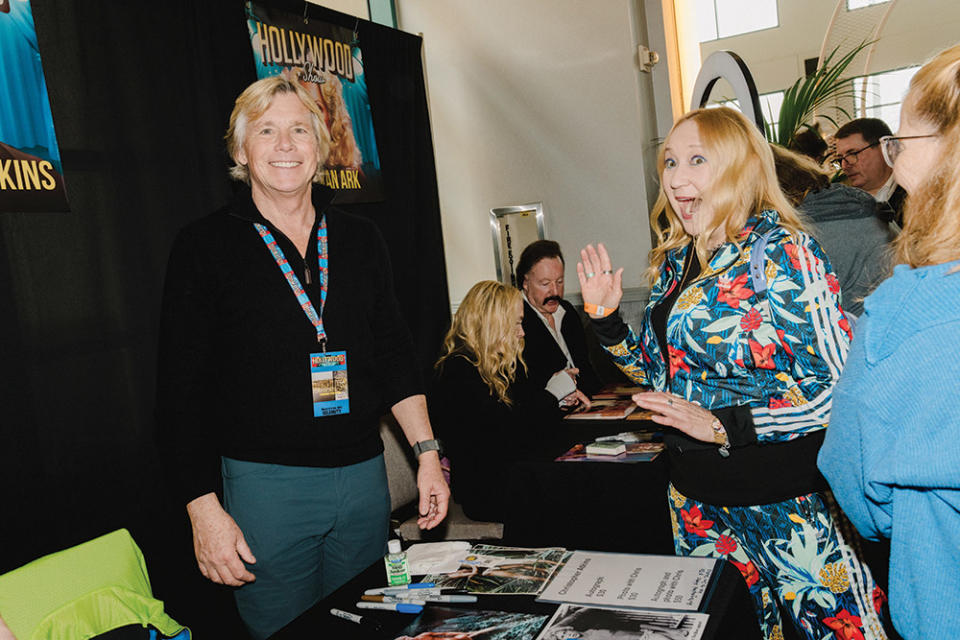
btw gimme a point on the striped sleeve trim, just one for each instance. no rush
(825, 316)
(831, 345)
(807, 417)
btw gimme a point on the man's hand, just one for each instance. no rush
(434, 492)
(411, 413)
(218, 543)
(579, 400)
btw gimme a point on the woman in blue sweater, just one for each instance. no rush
(892, 453)
(742, 342)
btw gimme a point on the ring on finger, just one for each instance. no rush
(670, 401)
(608, 271)
(590, 275)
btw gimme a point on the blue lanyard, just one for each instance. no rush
(316, 319)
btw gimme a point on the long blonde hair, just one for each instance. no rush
(931, 229)
(744, 183)
(484, 332)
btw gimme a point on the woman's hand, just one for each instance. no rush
(674, 411)
(599, 284)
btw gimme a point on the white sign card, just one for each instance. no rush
(600, 579)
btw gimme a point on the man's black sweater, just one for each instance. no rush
(234, 374)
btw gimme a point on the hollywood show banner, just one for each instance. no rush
(326, 60)
(30, 168)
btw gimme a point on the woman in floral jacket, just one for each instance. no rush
(742, 341)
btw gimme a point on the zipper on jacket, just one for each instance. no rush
(306, 272)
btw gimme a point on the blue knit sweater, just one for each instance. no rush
(892, 451)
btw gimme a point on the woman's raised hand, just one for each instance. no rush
(599, 283)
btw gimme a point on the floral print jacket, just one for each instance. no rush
(779, 352)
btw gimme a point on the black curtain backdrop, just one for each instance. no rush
(140, 94)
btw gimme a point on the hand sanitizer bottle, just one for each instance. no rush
(398, 571)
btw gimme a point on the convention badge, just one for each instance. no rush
(328, 377)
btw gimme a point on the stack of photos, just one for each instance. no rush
(502, 570)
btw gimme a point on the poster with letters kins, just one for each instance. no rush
(325, 60)
(30, 168)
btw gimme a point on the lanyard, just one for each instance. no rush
(316, 319)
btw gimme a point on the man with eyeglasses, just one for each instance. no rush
(859, 156)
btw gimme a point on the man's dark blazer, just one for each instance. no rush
(892, 209)
(543, 355)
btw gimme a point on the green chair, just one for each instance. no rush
(84, 591)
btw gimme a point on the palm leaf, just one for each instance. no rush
(806, 95)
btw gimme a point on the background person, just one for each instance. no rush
(554, 339)
(845, 224)
(305, 504)
(892, 450)
(743, 376)
(858, 156)
(485, 412)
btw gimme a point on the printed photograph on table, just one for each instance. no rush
(609, 409)
(502, 570)
(31, 173)
(436, 623)
(326, 60)
(573, 621)
(613, 391)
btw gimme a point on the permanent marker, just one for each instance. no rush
(384, 598)
(354, 618)
(450, 598)
(412, 585)
(402, 607)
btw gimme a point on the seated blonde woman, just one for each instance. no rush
(481, 404)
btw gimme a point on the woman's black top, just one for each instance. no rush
(483, 436)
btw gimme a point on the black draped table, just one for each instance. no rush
(589, 505)
(729, 605)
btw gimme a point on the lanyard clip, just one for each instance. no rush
(322, 341)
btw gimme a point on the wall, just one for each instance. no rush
(358, 8)
(915, 30)
(540, 100)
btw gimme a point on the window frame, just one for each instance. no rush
(871, 3)
(716, 23)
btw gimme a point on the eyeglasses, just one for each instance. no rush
(853, 157)
(891, 147)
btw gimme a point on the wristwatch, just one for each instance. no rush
(720, 437)
(427, 445)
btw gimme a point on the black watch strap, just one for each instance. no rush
(427, 445)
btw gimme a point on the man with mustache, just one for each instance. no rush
(555, 347)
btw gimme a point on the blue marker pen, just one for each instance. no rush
(401, 607)
(412, 585)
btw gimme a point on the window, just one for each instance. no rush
(860, 4)
(724, 18)
(770, 104)
(884, 93)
